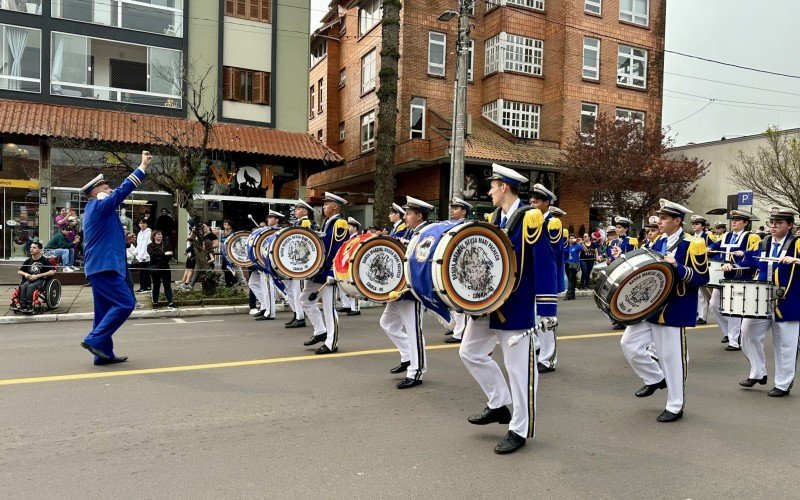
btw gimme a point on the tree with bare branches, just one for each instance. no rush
(623, 168)
(772, 173)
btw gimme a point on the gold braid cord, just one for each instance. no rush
(339, 230)
(554, 230)
(753, 242)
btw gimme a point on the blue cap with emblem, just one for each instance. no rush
(539, 191)
(782, 213)
(458, 202)
(505, 174)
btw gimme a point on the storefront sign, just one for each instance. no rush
(249, 176)
(43, 197)
(18, 183)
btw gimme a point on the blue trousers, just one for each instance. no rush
(113, 303)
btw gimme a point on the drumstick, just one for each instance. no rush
(769, 259)
(313, 295)
(252, 219)
(539, 327)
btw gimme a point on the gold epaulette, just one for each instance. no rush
(634, 242)
(305, 223)
(753, 242)
(340, 229)
(697, 246)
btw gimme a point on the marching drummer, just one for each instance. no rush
(652, 232)
(350, 305)
(326, 323)
(734, 248)
(719, 229)
(621, 245)
(402, 319)
(459, 210)
(396, 216)
(700, 227)
(301, 211)
(612, 241)
(776, 261)
(667, 328)
(536, 277)
(268, 283)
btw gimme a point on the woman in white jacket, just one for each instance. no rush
(142, 240)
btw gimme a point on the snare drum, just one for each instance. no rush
(635, 286)
(370, 267)
(746, 299)
(235, 249)
(257, 248)
(715, 273)
(464, 266)
(294, 253)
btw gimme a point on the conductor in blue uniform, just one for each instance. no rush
(104, 248)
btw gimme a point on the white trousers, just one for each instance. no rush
(785, 336)
(702, 305)
(259, 283)
(459, 324)
(293, 297)
(673, 358)
(520, 362)
(548, 355)
(731, 326)
(327, 321)
(349, 302)
(402, 322)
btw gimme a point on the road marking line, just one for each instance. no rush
(181, 321)
(178, 320)
(255, 362)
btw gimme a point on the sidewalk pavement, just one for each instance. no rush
(77, 305)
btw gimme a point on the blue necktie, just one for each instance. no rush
(503, 222)
(775, 248)
(734, 239)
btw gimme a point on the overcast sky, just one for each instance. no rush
(763, 34)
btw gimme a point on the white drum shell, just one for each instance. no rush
(746, 299)
(715, 273)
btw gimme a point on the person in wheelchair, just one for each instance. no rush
(34, 271)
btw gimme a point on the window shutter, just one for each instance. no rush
(258, 88)
(228, 83)
(229, 7)
(266, 97)
(239, 77)
(255, 10)
(241, 8)
(265, 10)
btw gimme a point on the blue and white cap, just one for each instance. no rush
(557, 211)
(273, 213)
(741, 215)
(541, 191)
(397, 208)
(304, 204)
(97, 181)
(458, 202)
(507, 175)
(418, 205)
(672, 209)
(622, 221)
(336, 199)
(611, 229)
(782, 213)
(351, 221)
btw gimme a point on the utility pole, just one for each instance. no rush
(459, 131)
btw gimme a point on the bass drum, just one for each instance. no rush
(294, 253)
(257, 249)
(635, 286)
(370, 267)
(235, 249)
(464, 266)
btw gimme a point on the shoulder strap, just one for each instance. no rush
(516, 217)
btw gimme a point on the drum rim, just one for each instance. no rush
(442, 255)
(344, 278)
(354, 266)
(229, 243)
(657, 304)
(275, 262)
(261, 260)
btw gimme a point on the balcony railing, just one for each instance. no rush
(128, 14)
(123, 96)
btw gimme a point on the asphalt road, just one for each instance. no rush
(232, 408)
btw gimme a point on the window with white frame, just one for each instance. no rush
(417, 118)
(632, 67)
(519, 118)
(588, 117)
(635, 11)
(369, 15)
(368, 132)
(162, 17)
(318, 53)
(508, 52)
(341, 131)
(531, 4)
(437, 43)
(471, 60)
(631, 115)
(593, 6)
(591, 58)
(20, 58)
(368, 72)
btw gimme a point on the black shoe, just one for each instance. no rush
(354, 313)
(294, 318)
(668, 416)
(143, 290)
(452, 340)
(298, 323)
(259, 314)
(172, 305)
(750, 382)
(701, 321)
(315, 339)
(542, 368)
(97, 352)
(724, 340)
(509, 444)
(500, 415)
(649, 390)
(403, 366)
(343, 309)
(777, 393)
(448, 333)
(408, 382)
(111, 361)
(324, 350)
(617, 326)
(731, 348)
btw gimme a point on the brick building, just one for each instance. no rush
(539, 69)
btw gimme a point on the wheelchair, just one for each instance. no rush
(46, 298)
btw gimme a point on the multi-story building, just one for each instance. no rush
(111, 75)
(538, 71)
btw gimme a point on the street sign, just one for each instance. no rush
(745, 198)
(43, 196)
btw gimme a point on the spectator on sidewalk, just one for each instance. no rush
(33, 271)
(61, 247)
(165, 223)
(142, 240)
(590, 252)
(160, 254)
(573, 265)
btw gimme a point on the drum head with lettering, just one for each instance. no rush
(236, 249)
(642, 292)
(296, 253)
(378, 268)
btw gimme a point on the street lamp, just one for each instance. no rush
(459, 132)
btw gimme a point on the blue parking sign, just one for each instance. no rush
(745, 198)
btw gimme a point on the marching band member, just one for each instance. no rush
(541, 198)
(667, 328)
(264, 285)
(620, 245)
(396, 216)
(326, 323)
(611, 241)
(784, 250)
(350, 305)
(105, 261)
(459, 210)
(536, 277)
(719, 229)
(402, 319)
(652, 232)
(301, 211)
(700, 228)
(734, 248)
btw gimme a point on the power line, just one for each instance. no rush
(739, 66)
(709, 103)
(731, 83)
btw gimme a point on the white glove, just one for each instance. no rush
(549, 322)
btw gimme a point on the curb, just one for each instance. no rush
(136, 314)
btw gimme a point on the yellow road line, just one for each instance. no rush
(253, 362)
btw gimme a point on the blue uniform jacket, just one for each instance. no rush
(103, 237)
(787, 307)
(334, 235)
(557, 242)
(536, 281)
(306, 222)
(747, 243)
(692, 273)
(407, 234)
(401, 231)
(626, 244)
